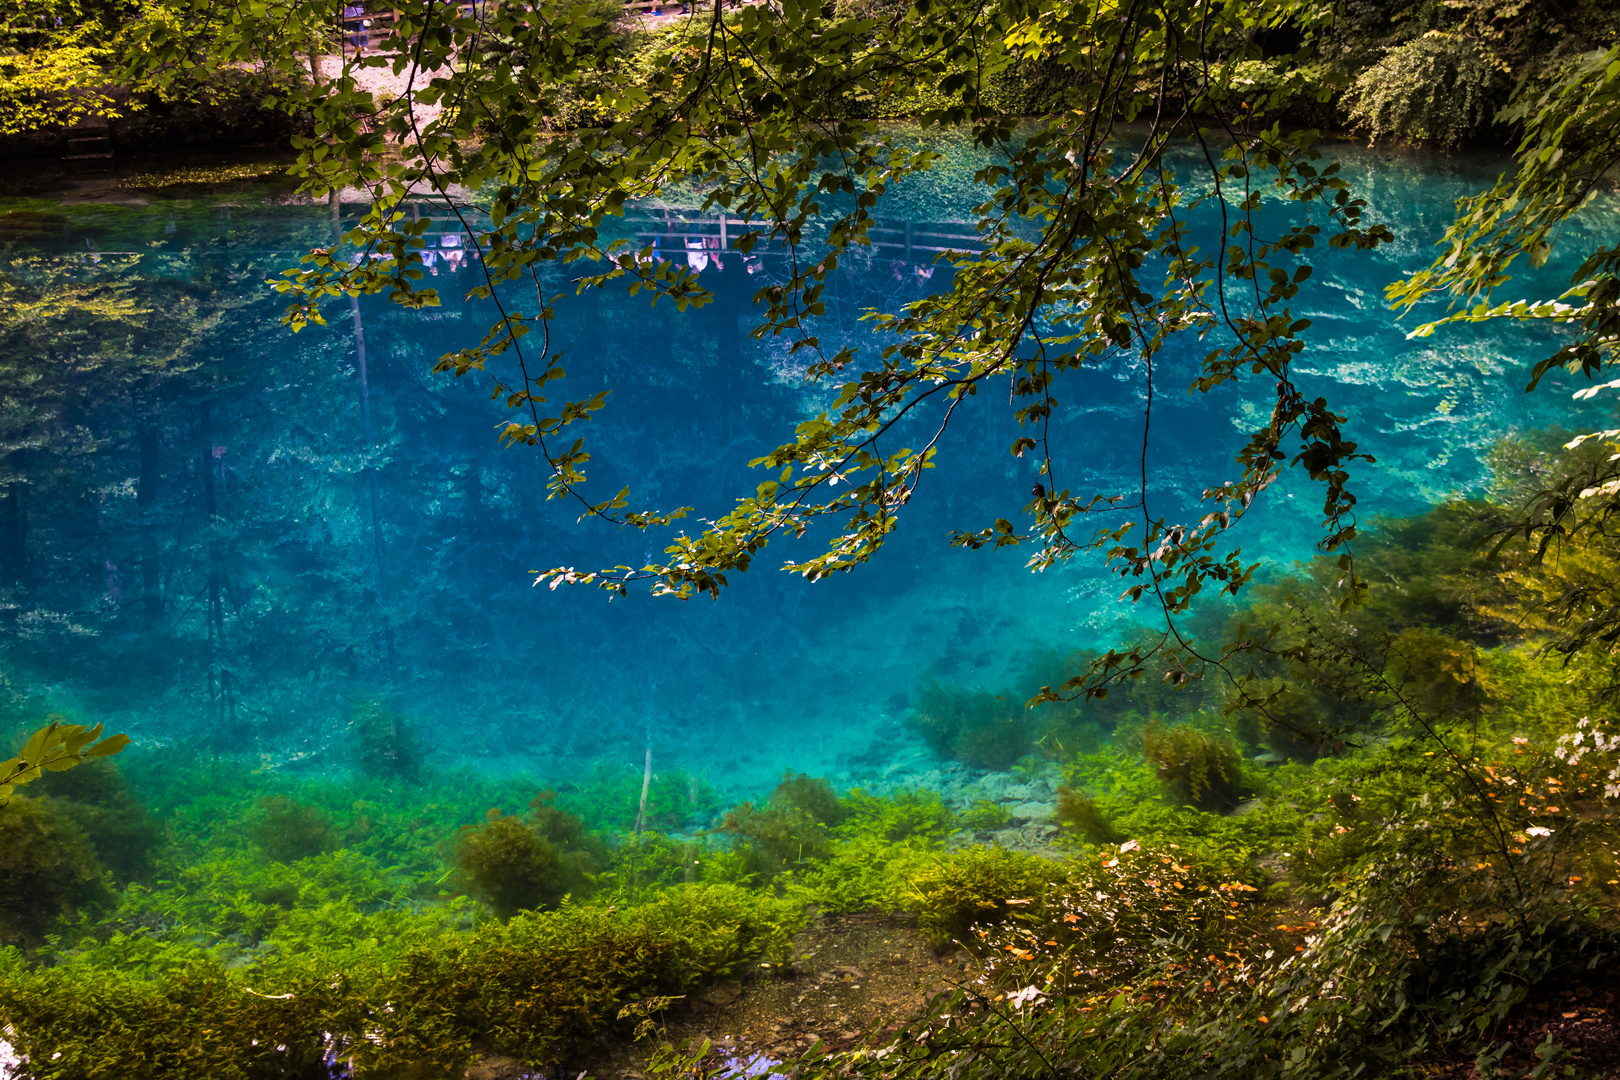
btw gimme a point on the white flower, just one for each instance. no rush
(1539, 830)
(1029, 995)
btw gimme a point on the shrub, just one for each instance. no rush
(226, 106)
(288, 830)
(48, 868)
(1434, 89)
(1197, 768)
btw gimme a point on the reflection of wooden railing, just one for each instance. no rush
(904, 239)
(908, 240)
(383, 22)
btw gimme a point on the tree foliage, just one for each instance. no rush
(1570, 145)
(1436, 88)
(56, 746)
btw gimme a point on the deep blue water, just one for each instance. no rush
(256, 628)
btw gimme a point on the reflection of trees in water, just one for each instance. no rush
(180, 498)
(865, 280)
(149, 514)
(186, 521)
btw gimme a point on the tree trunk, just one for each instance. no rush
(370, 473)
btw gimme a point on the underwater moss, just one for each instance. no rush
(559, 826)
(977, 886)
(609, 796)
(793, 827)
(48, 868)
(531, 988)
(812, 794)
(96, 798)
(514, 866)
(1437, 674)
(1197, 768)
(903, 816)
(509, 865)
(1080, 814)
(287, 830)
(775, 837)
(986, 816)
(982, 729)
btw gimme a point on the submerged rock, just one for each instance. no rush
(1031, 811)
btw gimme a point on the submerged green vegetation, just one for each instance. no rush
(1367, 854)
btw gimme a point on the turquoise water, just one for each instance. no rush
(203, 544)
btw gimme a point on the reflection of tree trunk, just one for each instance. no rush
(472, 491)
(146, 506)
(365, 402)
(218, 677)
(366, 432)
(727, 350)
(14, 532)
(216, 575)
(365, 427)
